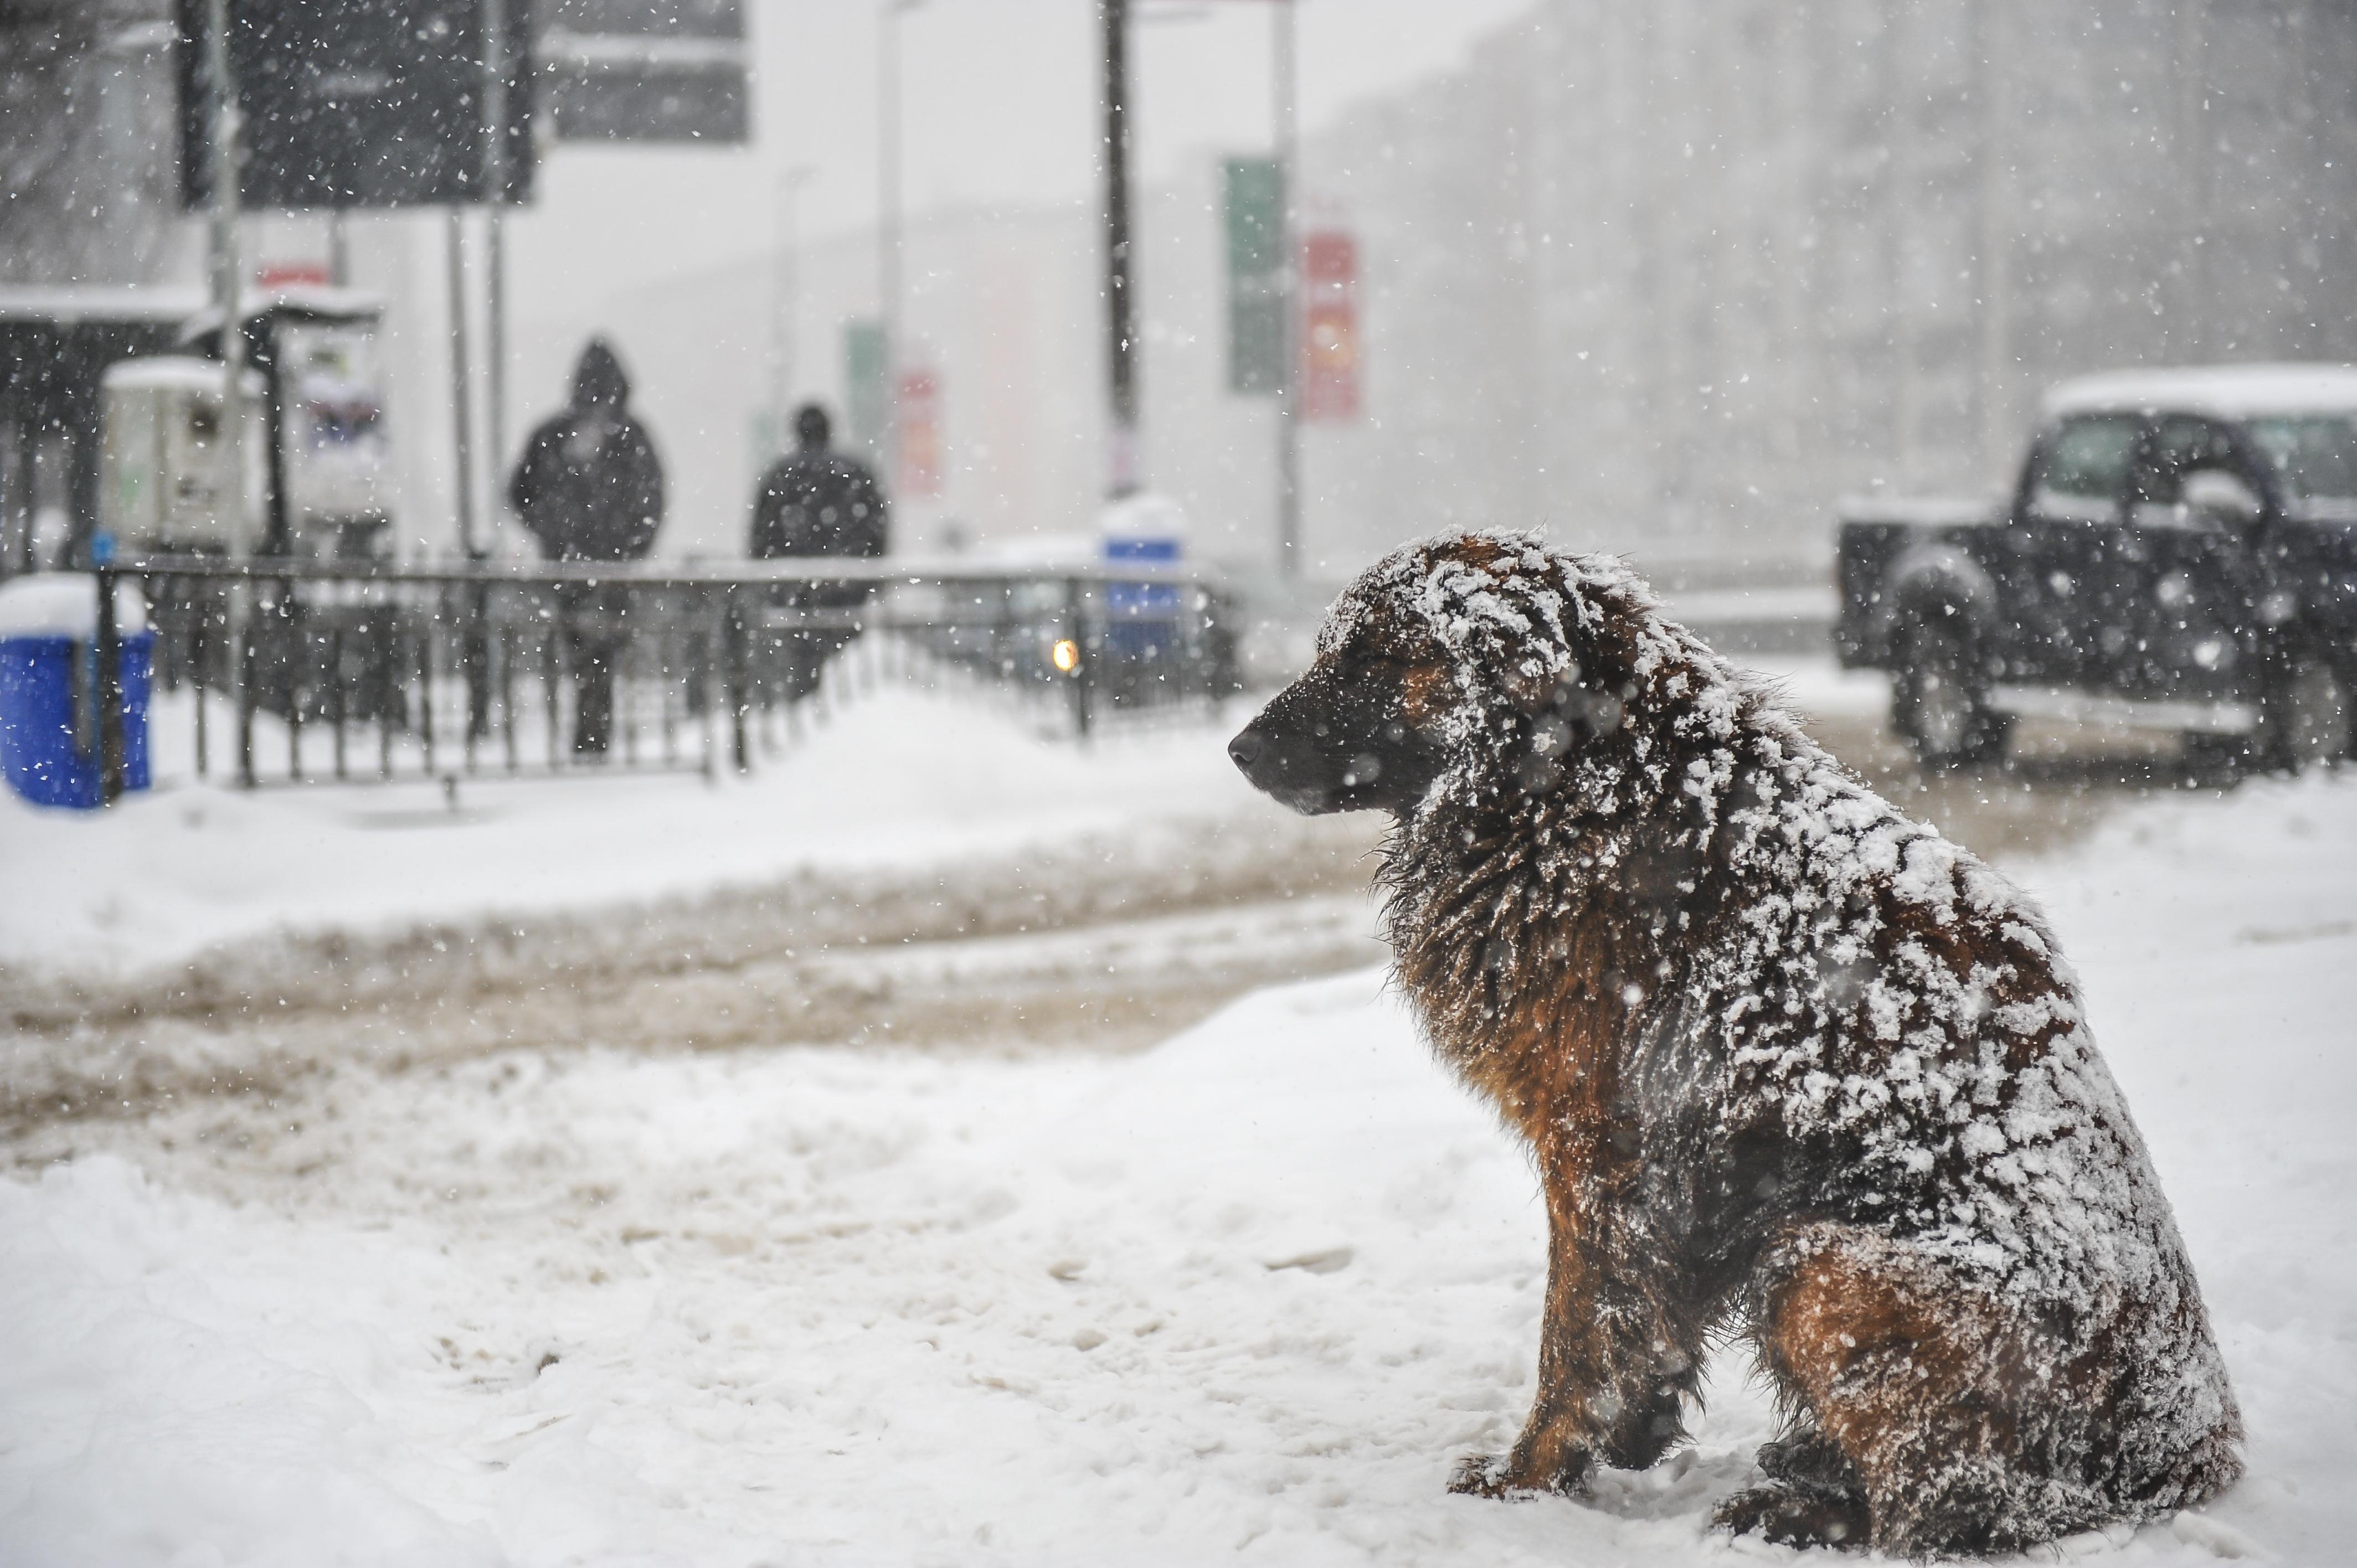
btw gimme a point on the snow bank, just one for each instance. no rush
(1245, 1297)
(898, 779)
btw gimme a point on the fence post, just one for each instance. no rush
(1083, 667)
(477, 654)
(732, 655)
(246, 606)
(107, 649)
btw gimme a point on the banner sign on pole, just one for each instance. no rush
(355, 102)
(1330, 326)
(919, 408)
(1256, 281)
(867, 404)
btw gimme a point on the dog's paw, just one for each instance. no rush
(1506, 1476)
(1808, 1460)
(1485, 1475)
(1779, 1514)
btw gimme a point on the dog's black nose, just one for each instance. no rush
(1245, 749)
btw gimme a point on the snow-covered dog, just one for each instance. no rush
(1791, 1064)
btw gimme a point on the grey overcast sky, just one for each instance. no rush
(1000, 106)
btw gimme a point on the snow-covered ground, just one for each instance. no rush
(1247, 1295)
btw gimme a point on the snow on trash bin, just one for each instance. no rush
(49, 689)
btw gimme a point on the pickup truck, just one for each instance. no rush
(2179, 550)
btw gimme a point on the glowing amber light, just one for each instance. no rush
(1066, 655)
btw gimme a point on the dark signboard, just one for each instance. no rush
(356, 102)
(645, 71)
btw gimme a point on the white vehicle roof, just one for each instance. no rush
(2222, 392)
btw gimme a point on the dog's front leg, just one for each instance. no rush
(1612, 1366)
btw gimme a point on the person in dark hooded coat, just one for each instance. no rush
(590, 488)
(818, 502)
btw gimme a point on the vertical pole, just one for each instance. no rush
(339, 248)
(10, 482)
(462, 412)
(297, 653)
(887, 226)
(226, 269)
(495, 198)
(20, 512)
(732, 654)
(107, 649)
(473, 604)
(1120, 318)
(200, 654)
(1288, 427)
(1083, 665)
(246, 604)
(495, 389)
(227, 285)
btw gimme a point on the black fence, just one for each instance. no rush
(299, 670)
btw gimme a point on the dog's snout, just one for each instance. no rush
(1246, 748)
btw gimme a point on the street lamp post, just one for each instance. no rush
(1121, 305)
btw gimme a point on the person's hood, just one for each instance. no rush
(599, 380)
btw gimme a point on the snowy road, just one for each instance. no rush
(1031, 896)
(495, 1254)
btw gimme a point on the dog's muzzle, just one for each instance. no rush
(1269, 767)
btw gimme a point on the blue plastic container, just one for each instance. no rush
(49, 690)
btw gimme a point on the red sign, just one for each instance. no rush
(1330, 326)
(291, 275)
(919, 409)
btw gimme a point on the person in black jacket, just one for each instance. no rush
(590, 488)
(818, 502)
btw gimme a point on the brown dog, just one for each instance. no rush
(1791, 1064)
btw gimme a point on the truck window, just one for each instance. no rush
(2181, 445)
(2314, 455)
(2083, 465)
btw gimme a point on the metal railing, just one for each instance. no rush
(470, 670)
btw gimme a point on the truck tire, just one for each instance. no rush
(1938, 699)
(2305, 717)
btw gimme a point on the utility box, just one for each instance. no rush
(164, 456)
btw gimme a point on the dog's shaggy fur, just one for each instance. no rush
(1791, 1067)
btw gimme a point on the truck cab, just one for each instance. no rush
(2179, 549)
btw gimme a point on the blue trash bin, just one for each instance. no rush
(1142, 618)
(48, 688)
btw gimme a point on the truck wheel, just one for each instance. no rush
(1938, 700)
(2305, 719)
